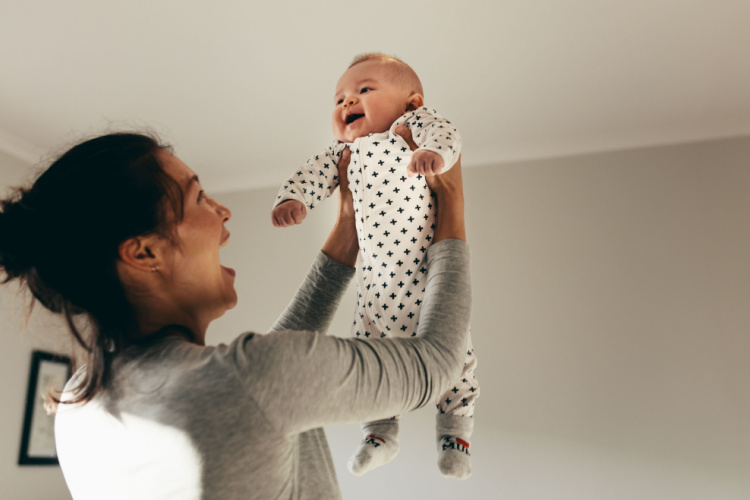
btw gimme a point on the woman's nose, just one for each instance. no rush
(225, 213)
(222, 210)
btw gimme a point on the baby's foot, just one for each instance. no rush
(371, 453)
(454, 459)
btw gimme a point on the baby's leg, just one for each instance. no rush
(379, 446)
(455, 422)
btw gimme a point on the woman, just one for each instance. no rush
(119, 228)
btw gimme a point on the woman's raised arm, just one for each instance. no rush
(336, 380)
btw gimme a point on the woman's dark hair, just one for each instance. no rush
(61, 237)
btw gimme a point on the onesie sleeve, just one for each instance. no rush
(315, 181)
(305, 380)
(434, 133)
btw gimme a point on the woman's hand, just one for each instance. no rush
(448, 188)
(342, 245)
(346, 199)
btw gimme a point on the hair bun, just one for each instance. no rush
(21, 237)
(17, 232)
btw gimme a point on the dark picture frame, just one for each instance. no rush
(48, 371)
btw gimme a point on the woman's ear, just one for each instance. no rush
(140, 253)
(415, 101)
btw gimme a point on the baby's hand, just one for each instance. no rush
(425, 162)
(288, 213)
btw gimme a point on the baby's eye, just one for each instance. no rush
(339, 101)
(365, 90)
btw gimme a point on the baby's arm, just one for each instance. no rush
(438, 140)
(309, 186)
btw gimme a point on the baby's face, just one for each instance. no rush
(368, 100)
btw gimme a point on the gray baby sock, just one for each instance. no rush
(453, 433)
(379, 446)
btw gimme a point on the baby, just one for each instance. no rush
(395, 225)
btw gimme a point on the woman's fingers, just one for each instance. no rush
(346, 200)
(405, 133)
(448, 187)
(346, 156)
(414, 167)
(450, 180)
(342, 245)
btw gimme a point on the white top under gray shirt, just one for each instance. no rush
(244, 421)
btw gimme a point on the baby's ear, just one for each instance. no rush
(415, 101)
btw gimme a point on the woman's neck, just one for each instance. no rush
(158, 319)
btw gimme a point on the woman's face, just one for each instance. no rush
(201, 286)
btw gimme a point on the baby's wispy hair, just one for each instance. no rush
(402, 72)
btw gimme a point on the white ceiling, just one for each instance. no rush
(243, 89)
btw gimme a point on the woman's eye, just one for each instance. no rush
(201, 195)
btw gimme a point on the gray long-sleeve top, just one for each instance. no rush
(245, 420)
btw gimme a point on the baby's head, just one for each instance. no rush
(372, 94)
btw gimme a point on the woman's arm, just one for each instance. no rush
(314, 380)
(304, 380)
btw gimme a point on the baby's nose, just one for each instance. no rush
(350, 101)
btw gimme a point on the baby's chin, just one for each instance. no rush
(352, 136)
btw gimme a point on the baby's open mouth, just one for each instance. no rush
(353, 117)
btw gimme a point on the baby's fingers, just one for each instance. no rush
(414, 168)
(299, 213)
(288, 213)
(434, 169)
(281, 220)
(277, 220)
(430, 167)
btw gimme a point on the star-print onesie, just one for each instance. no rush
(395, 218)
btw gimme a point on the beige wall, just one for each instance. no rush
(610, 320)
